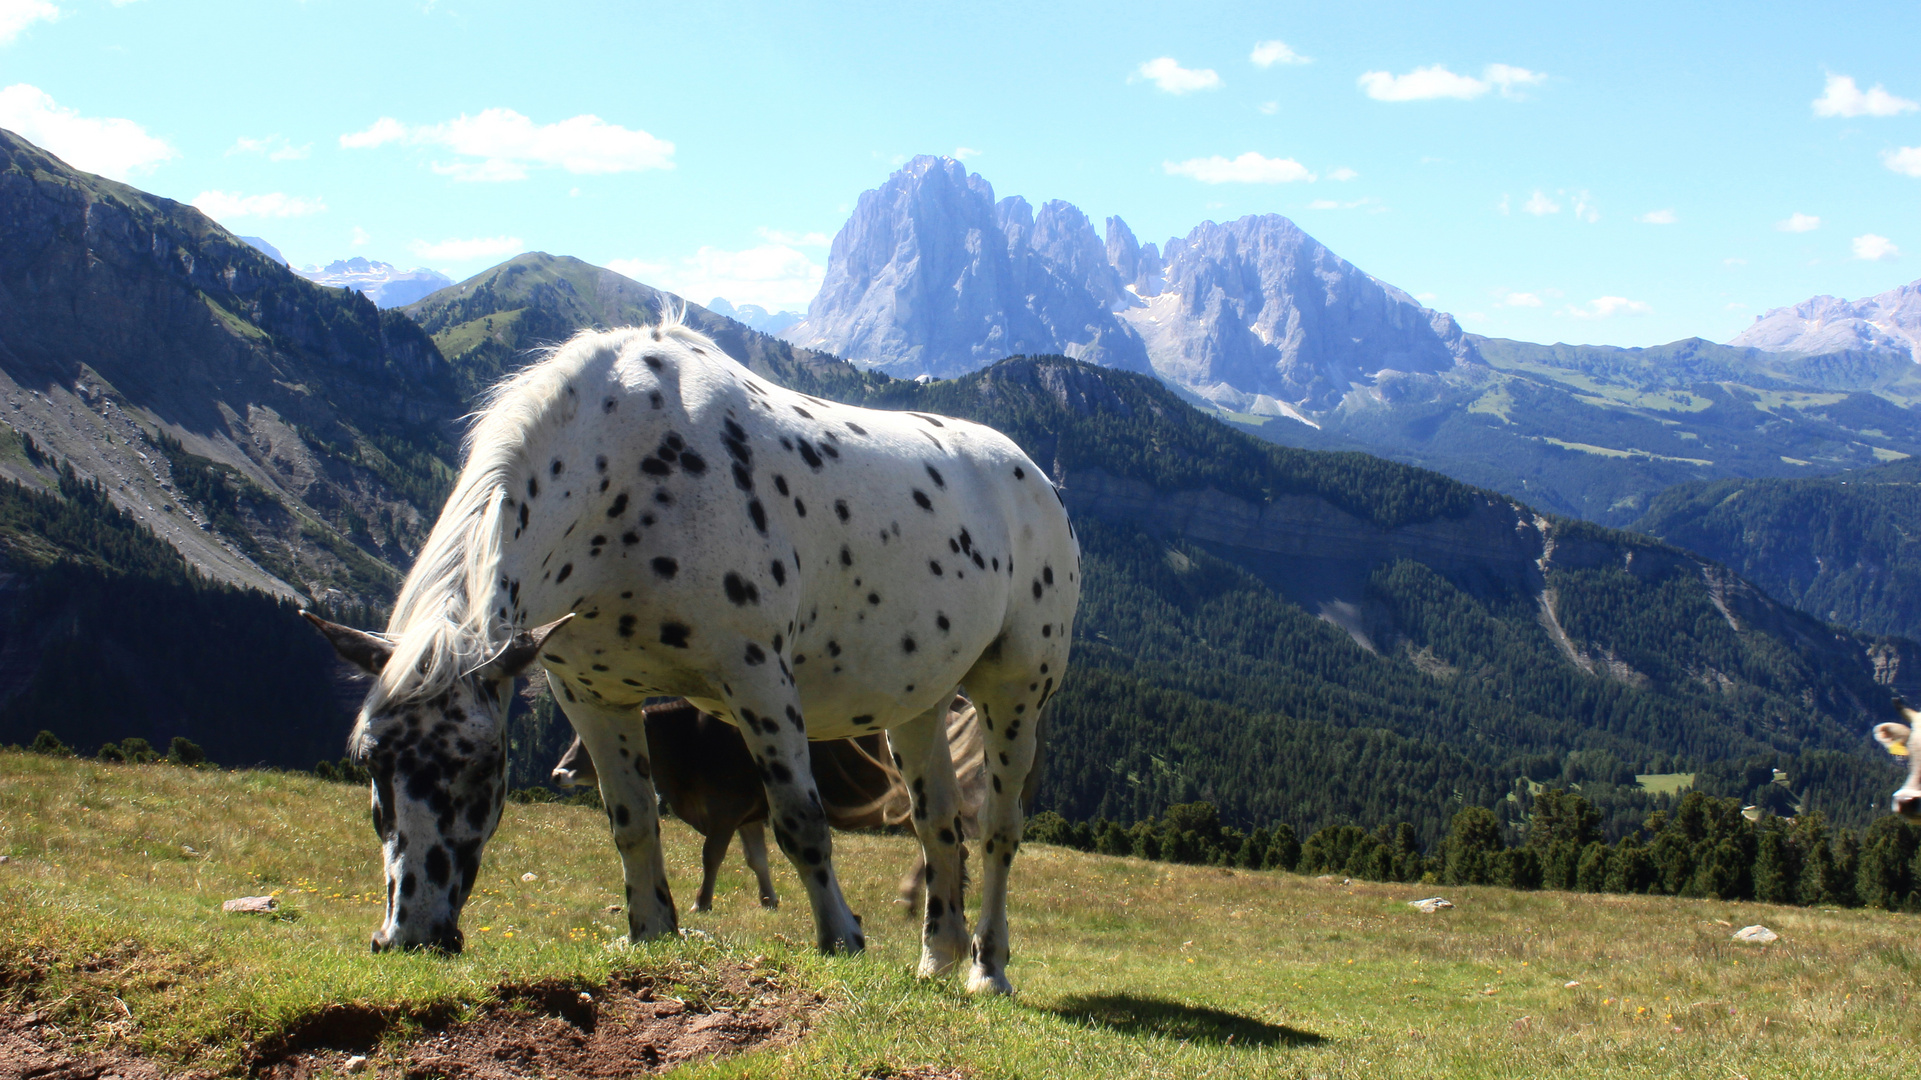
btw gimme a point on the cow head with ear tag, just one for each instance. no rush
(1894, 738)
(439, 768)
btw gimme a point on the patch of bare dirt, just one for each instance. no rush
(555, 1028)
(33, 1048)
(917, 1072)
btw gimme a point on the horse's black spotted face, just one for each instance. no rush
(439, 780)
(439, 770)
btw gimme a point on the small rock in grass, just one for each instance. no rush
(1430, 905)
(250, 905)
(1756, 935)
(356, 1063)
(1570, 984)
(1325, 879)
(5, 859)
(530, 877)
(613, 909)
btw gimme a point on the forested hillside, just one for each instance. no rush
(1844, 548)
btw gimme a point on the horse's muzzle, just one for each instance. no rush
(446, 944)
(1907, 803)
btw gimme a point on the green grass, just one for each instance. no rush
(1667, 783)
(1124, 968)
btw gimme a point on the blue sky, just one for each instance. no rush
(1624, 174)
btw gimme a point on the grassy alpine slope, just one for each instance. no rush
(1124, 967)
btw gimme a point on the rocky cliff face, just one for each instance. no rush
(127, 320)
(1886, 324)
(1257, 308)
(930, 277)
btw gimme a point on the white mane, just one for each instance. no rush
(441, 626)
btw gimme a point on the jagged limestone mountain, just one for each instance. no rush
(1888, 325)
(1263, 323)
(930, 276)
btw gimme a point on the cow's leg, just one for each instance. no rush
(712, 853)
(768, 714)
(617, 741)
(753, 847)
(1009, 707)
(927, 767)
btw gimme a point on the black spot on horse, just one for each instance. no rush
(740, 591)
(759, 515)
(743, 479)
(653, 398)
(873, 598)
(557, 467)
(692, 464)
(653, 361)
(1037, 588)
(523, 515)
(840, 509)
(755, 655)
(808, 454)
(941, 621)
(655, 467)
(533, 488)
(665, 566)
(921, 500)
(803, 412)
(907, 644)
(929, 419)
(1020, 473)
(800, 508)
(779, 570)
(674, 634)
(846, 555)
(857, 429)
(934, 475)
(780, 484)
(618, 506)
(1047, 574)
(781, 773)
(566, 570)
(933, 567)
(627, 626)
(439, 867)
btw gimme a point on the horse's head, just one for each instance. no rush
(439, 768)
(1907, 801)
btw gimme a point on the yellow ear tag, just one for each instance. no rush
(1899, 751)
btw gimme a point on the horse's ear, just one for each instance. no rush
(521, 652)
(357, 647)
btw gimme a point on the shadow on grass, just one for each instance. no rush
(1135, 1014)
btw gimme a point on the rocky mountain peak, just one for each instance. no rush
(931, 276)
(1889, 323)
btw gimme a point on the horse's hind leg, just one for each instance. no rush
(711, 855)
(617, 741)
(927, 766)
(1009, 705)
(753, 847)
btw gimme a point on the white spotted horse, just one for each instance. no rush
(641, 516)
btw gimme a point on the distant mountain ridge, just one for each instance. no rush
(1889, 323)
(385, 284)
(1255, 318)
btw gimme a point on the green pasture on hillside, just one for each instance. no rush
(111, 924)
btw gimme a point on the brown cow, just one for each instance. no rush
(1907, 800)
(706, 776)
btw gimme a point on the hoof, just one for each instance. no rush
(770, 902)
(981, 982)
(933, 966)
(703, 905)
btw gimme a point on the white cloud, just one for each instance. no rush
(459, 251)
(1843, 98)
(1657, 217)
(1429, 83)
(274, 147)
(812, 239)
(1503, 205)
(1426, 297)
(1734, 261)
(1342, 173)
(1170, 76)
(114, 148)
(962, 153)
(775, 276)
(1249, 168)
(17, 15)
(1874, 248)
(501, 144)
(1516, 299)
(1335, 204)
(1606, 307)
(360, 237)
(1269, 53)
(1906, 160)
(1268, 108)
(224, 206)
(1798, 223)
(1584, 209)
(1539, 203)
(1735, 305)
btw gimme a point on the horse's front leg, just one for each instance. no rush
(926, 765)
(617, 741)
(768, 715)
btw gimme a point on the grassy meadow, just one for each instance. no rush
(110, 923)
